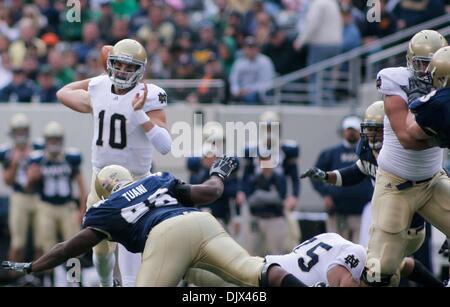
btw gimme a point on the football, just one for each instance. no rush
(105, 52)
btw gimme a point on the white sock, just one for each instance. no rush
(105, 266)
(129, 264)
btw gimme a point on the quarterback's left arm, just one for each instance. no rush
(81, 243)
(153, 122)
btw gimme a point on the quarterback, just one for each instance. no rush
(129, 123)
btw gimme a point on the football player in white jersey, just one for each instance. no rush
(410, 177)
(129, 123)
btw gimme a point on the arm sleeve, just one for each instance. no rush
(351, 175)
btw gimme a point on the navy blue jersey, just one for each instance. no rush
(290, 152)
(55, 187)
(20, 179)
(129, 214)
(367, 158)
(432, 112)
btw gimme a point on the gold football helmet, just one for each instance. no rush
(54, 138)
(130, 52)
(421, 48)
(372, 125)
(19, 128)
(110, 179)
(440, 68)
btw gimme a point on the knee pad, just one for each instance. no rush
(415, 238)
(386, 251)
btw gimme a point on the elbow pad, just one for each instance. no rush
(160, 138)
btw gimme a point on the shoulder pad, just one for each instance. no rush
(194, 163)
(390, 80)
(156, 98)
(36, 156)
(290, 149)
(38, 144)
(73, 155)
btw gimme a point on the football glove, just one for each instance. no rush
(223, 167)
(24, 267)
(315, 174)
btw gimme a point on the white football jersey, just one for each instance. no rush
(408, 164)
(118, 138)
(311, 260)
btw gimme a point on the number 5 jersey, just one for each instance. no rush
(311, 260)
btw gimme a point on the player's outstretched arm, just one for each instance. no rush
(81, 243)
(75, 96)
(210, 190)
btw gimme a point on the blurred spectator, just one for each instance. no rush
(5, 70)
(63, 74)
(220, 18)
(184, 69)
(412, 12)
(250, 17)
(249, 73)
(264, 24)
(374, 30)
(280, 50)
(119, 31)
(211, 70)
(183, 27)
(351, 36)
(18, 48)
(227, 54)
(93, 64)
(7, 24)
(106, 20)
(206, 45)
(140, 17)
(90, 40)
(162, 65)
(51, 13)
(322, 33)
(20, 89)
(344, 205)
(47, 86)
(31, 64)
(157, 22)
(16, 7)
(50, 39)
(241, 6)
(124, 8)
(32, 12)
(4, 43)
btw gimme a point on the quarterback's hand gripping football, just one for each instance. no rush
(223, 167)
(139, 100)
(315, 174)
(24, 267)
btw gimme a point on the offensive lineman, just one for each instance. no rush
(410, 177)
(129, 123)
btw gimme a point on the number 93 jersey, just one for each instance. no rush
(118, 138)
(311, 260)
